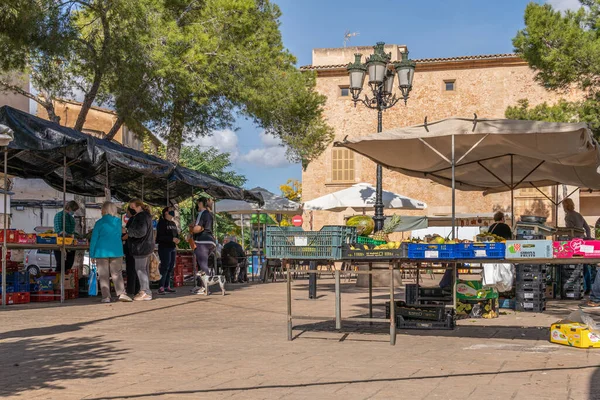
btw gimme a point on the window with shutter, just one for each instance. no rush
(342, 166)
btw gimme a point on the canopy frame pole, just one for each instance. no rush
(191, 233)
(4, 249)
(243, 237)
(472, 148)
(496, 176)
(467, 163)
(453, 194)
(168, 202)
(63, 252)
(512, 192)
(107, 193)
(142, 189)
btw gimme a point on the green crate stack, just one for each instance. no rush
(325, 244)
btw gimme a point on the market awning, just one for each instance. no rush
(40, 148)
(361, 196)
(273, 204)
(490, 155)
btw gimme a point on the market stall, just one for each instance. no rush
(488, 156)
(77, 163)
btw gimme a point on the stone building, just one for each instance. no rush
(442, 88)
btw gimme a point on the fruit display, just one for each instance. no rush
(384, 246)
(363, 223)
(490, 237)
(390, 225)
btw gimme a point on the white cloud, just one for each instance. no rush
(273, 157)
(563, 5)
(272, 154)
(226, 141)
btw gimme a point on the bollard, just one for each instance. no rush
(338, 301)
(312, 281)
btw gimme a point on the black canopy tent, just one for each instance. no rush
(39, 148)
(74, 162)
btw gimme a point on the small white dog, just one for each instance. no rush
(209, 281)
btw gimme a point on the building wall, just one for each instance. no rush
(483, 86)
(16, 100)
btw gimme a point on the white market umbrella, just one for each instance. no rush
(362, 196)
(273, 205)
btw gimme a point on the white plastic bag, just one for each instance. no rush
(500, 276)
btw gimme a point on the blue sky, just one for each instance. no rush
(431, 28)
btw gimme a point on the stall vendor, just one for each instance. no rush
(499, 227)
(69, 229)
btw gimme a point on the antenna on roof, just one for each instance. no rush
(348, 35)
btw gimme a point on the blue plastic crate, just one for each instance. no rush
(297, 244)
(480, 250)
(17, 282)
(422, 251)
(506, 303)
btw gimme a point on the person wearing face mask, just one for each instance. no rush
(69, 229)
(141, 245)
(133, 283)
(203, 238)
(167, 238)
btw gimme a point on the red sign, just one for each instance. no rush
(297, 220)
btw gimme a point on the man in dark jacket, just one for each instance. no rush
(233, 257)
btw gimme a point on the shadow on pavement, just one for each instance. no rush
(64, 328)
(31, 363)
(343, 382)
(475, 331)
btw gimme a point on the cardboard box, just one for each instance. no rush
(574, 334)
(524, 249)
(576, 248)
(474, 290)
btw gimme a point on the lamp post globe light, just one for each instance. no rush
(381, 73)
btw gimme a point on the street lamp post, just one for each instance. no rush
(381, 82)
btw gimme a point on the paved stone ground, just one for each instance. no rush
(236, 347)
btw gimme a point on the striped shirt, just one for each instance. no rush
(69, 223)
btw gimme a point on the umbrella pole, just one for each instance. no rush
(453, 192)
(4, 249)
(556, 206)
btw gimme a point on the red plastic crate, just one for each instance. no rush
(178, 281)
(27, 238)
(42, 297)
(17, 298)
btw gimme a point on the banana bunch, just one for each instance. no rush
(388, 246)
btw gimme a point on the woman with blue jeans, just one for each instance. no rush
(106, 249)
(167, 238)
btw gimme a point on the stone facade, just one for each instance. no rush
(485, 85)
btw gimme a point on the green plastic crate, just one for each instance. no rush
(295, 244)
(368, 240)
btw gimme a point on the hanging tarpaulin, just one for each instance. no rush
(40, 146)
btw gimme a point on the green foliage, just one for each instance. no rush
(564, 50)
(584, 111)
(216, 164)
(183, 68)
(211, 162)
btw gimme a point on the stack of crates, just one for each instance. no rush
(571, 277)
(531, 287)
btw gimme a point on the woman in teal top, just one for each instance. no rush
(106, 248)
